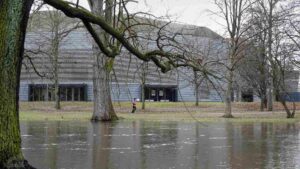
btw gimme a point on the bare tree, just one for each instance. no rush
(53, 32)
(272, 55)
(142, 73)
(234, 13)
(208, 51)
(283, 72)
(254, 67)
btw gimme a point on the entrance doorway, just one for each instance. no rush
(247, 96)
(160, 93)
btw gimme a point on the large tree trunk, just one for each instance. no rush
(103, 108)
(13, 22)
(228, 112)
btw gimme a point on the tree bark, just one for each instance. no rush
(197, 85)
(228, 111)
(143, 96)
(103, 108)
(13, 22)
(238, 94)
(55, 48)
(262, 103)
(270, 36)
(287, 110)
(144, 73)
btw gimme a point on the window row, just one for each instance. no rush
(66, 93)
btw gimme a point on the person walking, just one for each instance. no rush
(133, 105)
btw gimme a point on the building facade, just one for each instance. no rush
(75, 70)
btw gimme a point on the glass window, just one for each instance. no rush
(76, 94)
(62, 94)
(69, 93)
(66, 93)
(153, 92)
(161, 93)
(81, 94)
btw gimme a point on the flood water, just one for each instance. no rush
(161, 145)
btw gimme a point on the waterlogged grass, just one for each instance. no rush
(191, 118)
(155, 111)
(50, 116)
(186, 117)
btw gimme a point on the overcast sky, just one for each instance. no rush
(195, 12)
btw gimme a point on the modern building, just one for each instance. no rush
(75, 66)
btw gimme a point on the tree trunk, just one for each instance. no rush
(144, 72)
(197, 94)
(13, 22)
(262, 103)
(270, 96)
(287, 110)
(143, 96)
(55, 52)
(270, 36)
(228, 112)
(57, 96)
(196, 88)
(238, 94)
(103, 108)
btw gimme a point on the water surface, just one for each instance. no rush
(160, 145)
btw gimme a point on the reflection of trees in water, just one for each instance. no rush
(262, 145)
(158, 150)
(258, 145)
(44, 144)
(101, 144)
(248, 147)
(52, 143)
(282, 150)
(51, 134)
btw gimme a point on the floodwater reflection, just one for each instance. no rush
(160, 145)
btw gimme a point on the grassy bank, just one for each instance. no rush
(155, 111)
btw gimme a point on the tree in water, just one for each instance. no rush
(103, 65)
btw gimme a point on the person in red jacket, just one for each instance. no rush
(133, 105)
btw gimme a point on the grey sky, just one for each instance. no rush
(195, 12)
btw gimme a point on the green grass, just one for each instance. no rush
(188, 118)
(85, 116)
(155, 111)
(50, 116)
